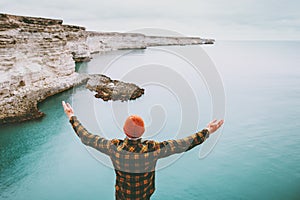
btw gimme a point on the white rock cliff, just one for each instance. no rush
(38, 55)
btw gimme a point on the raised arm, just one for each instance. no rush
(95, 141)
(171, 147)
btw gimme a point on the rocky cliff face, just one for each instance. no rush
(35, 61)
(38, 55)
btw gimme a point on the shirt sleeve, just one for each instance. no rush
(94, 141)
(171, 147)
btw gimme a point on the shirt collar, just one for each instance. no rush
(132, 140)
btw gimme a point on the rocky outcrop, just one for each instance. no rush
(115, 90)
(38, 55)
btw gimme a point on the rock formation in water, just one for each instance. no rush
(108, 89)
(38, 55)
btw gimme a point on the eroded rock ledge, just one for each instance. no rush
(108, 89)
(38, 55)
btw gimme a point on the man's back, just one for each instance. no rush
(134, 162)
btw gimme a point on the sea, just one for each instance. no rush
(253, 85)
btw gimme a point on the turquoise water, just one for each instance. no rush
(257, 157)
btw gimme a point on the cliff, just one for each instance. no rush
(38, 55)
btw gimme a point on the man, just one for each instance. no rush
(134, 160)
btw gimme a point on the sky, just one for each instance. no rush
(218, 19)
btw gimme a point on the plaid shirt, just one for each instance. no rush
(135, 160)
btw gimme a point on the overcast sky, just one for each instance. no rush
(219, 19)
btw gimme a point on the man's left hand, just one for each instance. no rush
(68, 109)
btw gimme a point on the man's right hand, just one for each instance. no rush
(214, 125)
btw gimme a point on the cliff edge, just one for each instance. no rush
(38, 55)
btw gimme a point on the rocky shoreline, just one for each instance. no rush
(38, 55)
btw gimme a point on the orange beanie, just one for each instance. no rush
(134, 126)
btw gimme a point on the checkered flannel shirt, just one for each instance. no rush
(135, 160)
